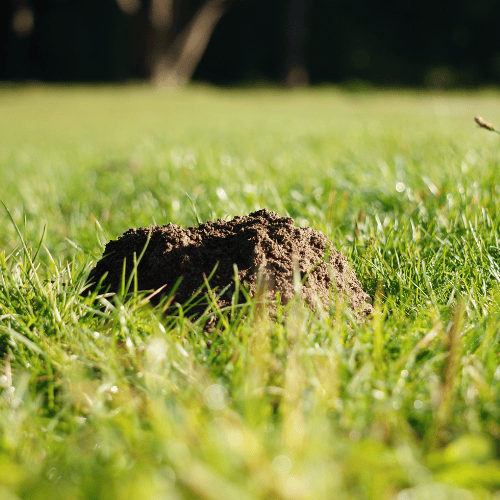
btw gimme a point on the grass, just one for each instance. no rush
(121, 402)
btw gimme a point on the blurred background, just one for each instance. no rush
(430, 43)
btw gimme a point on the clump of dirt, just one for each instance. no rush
(265, 248)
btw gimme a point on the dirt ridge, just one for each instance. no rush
(265, 248)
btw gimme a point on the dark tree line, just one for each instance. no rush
(436, 43)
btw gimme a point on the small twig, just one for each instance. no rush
(486, 125)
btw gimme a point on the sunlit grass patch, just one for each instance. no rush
(110, 398)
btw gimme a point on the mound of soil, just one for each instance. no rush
(264, 247)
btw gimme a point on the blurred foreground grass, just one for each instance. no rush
(125, 403)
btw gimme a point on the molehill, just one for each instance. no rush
(264, 249)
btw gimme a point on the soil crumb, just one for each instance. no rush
(264, 249)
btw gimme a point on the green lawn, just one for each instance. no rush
(124, 403)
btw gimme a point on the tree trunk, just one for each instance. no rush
(174, 57)
(192, 42)
(160, 17)
(296, 74)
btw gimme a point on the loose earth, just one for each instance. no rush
(264, 249)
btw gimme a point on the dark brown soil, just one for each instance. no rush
(264, 247)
